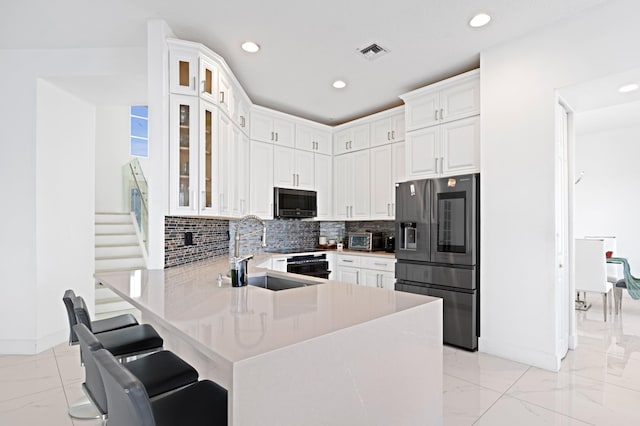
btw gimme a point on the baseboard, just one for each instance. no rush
(544, 360)
(32, 346)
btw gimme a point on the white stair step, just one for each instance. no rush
(116, 239)
(113, 218)
(111, 250)
(120, 263)
(114, 228)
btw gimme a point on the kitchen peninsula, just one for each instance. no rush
(328, 354)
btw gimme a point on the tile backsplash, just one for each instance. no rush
(215, 237)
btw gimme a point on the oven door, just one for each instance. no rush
(454, 221)
(318, 269)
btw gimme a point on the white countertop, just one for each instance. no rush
(239, 323)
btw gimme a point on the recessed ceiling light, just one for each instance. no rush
(628, 88)
(480, 20)
(250, 46)
(339, 84)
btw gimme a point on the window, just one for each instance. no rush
(139, 139)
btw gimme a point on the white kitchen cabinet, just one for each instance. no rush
(323, 184)
(293, 168)
(444, 150)
(382, 184)
(387, 130)
(448, 100)
(208, 80)
(351, 139)
(399, 169)
(279, 263)
(261, 178)
(208, 159)
(225, 94)
(351, 185)
(312, 139)
(183, 162)
(372, 271)
(240, 184)
(183, 71)
(267, 128)
(226, 167)
(241, 114)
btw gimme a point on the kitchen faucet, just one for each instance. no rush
(239, 268)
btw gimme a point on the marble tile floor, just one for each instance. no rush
(598, 384)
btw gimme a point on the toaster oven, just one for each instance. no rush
(365, 241)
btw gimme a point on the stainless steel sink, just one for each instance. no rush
(277, 283)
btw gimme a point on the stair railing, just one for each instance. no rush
(136, 196)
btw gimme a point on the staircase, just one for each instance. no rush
(117, 248)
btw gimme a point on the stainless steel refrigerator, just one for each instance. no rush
(437, 250)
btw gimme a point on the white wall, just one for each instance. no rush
(65, 132)
(30, 249)
(112, 153)
(606, 199)
(518, 85)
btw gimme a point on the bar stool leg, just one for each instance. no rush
(84, 409)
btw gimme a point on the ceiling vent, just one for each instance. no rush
(372, 51)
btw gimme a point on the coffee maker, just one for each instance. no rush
(390, 244)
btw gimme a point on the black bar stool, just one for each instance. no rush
(99, 326)
(159, 372)
(203, 403)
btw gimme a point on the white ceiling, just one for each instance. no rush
(305, 45)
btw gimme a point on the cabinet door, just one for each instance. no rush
(284, 132)
(183, 72)
(284, 173)
(381, 182)
(239, 174)
(279, 263)
(381, 132)
(349, 275)
(397, 128)
(184, 155)
(461, 146)
(323, 182)
(398, 163)
(225, 94)
(422, 152)
(305, 169)
(423, 111)
(242, 116)
(361, 187)
(261, 178)
(341, 142)
(360, 137)
(323, 142)
(305, 139)
(208, 80)
(461, 100)
(370, 278)
(342, 185)
(225, 165)
(208, 159)
(261, 127)
(388, 280)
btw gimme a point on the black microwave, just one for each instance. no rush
(294, 203)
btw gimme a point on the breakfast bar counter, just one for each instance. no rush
(327, 354)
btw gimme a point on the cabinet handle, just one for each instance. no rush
(379, 264)
(388, 136)
(294, 179)
(221, 97)
(441, 164)
(347, 211)
(436, 117)
(347, 261)
(272, 136)
(436, 165)
(377, 280)
(441, 110)
(351, 212)
(298, 179)
(346, 145)
(242, 122)
(388, 209)
(276, 136)
(357, 277)
(393, 134)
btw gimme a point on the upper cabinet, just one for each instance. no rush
(268, 128)
(225, 94)
(312, 139)
(183, 72)
(443, 128)
(387, 130)
(351, 139)
(449, 100)
(208, 80)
